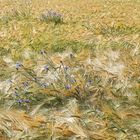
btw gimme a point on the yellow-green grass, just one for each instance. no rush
(102, 103)
(98, 41)
(87, 23)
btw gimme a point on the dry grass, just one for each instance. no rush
(105, 109)
(90, 91)
(85, 22)
(17, 124)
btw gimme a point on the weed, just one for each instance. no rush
(80, 80)
(52, 16)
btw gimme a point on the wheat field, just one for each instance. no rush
(69, 69)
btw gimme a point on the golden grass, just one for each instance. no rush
(110, 111)
(84, 21)
(13, 124)
(100, 42)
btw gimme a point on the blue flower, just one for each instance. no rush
(20, 101)
(27, 101)
(90, 81)
(67, 86)
(16, 94)
(72, 80)
(18, 65)
(52, 16)
(44, 85)
(66, 68)
(46, 67)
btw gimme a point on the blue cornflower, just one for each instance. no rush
(44, 85)
(72, 80)
(66, 68)
(67, 86)
(20, 101)
(90, 81)
(27, 101)
(18, 65)
(46, 67)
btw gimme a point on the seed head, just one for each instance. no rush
(25, 84)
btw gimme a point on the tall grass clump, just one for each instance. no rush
(87, 95)
(74, 81)
(52, 16)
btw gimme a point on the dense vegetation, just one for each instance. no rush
(69, 70)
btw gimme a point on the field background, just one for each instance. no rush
(99, 40)
(87, 23)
